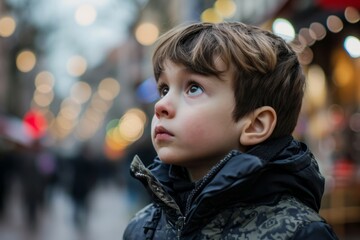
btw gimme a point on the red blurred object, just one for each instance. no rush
(35, 124)
(338, 4)
(344, 171)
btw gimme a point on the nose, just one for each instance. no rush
(165, 108)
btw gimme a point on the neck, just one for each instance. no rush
(202, 168)
(196, 174)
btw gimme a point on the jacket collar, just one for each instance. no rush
(268, 150)
(267, 171)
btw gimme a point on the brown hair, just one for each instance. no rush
(266, 70)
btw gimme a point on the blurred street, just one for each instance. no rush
(107, 217)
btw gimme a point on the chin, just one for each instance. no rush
(170, 159)
(167, 160)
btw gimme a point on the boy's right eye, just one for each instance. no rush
(163, 90)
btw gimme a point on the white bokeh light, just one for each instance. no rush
(352, 46)
(284, 29)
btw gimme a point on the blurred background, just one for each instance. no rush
(77, 95)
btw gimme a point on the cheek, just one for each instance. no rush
(197, 130)
(153, 122)
(209, 128)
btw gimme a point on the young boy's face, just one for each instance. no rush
(193, 124)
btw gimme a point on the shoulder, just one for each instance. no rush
(290, 208)
(285, 219)
(136, 224)
(290, 217)
(287, 214)
(284, 210)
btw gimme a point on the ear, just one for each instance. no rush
(259, 126)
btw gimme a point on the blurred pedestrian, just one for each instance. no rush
(85, 175)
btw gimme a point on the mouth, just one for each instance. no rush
(162, 133)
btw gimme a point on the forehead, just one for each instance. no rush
(170, 65)
(182, 73)
(221, 68)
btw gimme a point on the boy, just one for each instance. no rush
(227, 166)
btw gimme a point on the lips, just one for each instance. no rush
(162, 133)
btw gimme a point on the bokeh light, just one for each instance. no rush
(76, 66)
(305, 37)
(146, 33)
(284, 29)
(85, 14)
(306, 56)
(43, 99)
(81, 92)
(334, 24)
(317, 31)
(7, 26)
(44, 82)
(25, 61)
(316, 88)
(35, 124)
(343, 72)
(124, 131)
(211, 15)
(352, 15)
(226, 8)
(108, 88)
(70, 109)
(352, 46)
(100, 104)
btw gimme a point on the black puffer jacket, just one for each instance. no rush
(271, 192)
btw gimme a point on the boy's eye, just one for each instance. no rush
(195, 90)
(163, 90)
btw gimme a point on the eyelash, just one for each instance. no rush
(191, 83)
(161, 87)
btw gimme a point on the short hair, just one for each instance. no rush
(266, 70)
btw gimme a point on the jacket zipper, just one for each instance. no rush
(205, 181)
(179, 225)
